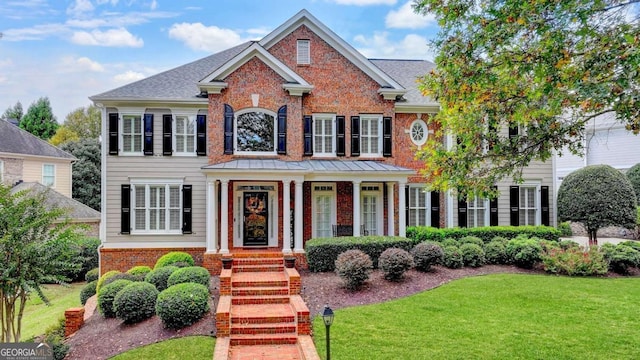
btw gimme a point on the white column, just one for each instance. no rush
(286, 216)
(391, 211)
(298, 247)
(211, 217)
(356, 208)
(224, 216)
(402, 221)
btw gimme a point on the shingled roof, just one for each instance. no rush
(14, 140)
(74, 209)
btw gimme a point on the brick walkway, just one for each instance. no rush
(260, 314)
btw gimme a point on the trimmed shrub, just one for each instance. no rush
(621, 257)
(450, 242)
(120, 276)
(495, 253)
(452, 257)
(88, 291)
(565, 229)
(104, 277)
(632, 244)
(159, 277)
(135, 302)
(487, 233)
(471, 240)
(182, 304)
(501, 239)
(568, 244)
(140, 272)
(427, 254)
(107, 294)
(633, 174)
(87, 250)
(174, 258)
(193, 274)
(353, 267)
(394, 263)
(472, 254)
(573, 261)
(524, 253)
(92, 275)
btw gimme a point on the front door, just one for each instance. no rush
(255, 218)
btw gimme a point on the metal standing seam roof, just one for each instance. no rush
(14, 140)
(309, 166)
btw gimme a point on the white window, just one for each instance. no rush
(48, 175)
(1, 171)
(419, 132)
(184, 135)
(323, 135)
(528, 205)
(419, 205)
(132, 134)
(324, 209)
(371, 135)
(157, 207)
(477, 212)
(304, 52)
(371, 209)
(255, 132)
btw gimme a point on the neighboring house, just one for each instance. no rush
(28, 162)
(274, 142)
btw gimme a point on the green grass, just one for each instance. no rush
(38, 317)
(506, 316)
(189, 347)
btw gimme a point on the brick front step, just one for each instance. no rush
(263, 339)
(263, 279)
(256, 255)
(258, 261)
(275, 328)
(265, 352)
(258, 268)
(271, 299)
(259, 291)
(262, 314)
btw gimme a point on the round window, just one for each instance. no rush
(419, 132)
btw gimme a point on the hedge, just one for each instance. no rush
(487, 233)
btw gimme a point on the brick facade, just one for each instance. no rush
(12, 170)
(125, 259)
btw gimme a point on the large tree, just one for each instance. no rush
(13, 112)
(39, 119)
(541, 68)
(63, 135)
(86, 176)
(85, 121)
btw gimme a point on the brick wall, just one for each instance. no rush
(13, 169)
(125, 259)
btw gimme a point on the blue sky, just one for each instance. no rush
(72, 49)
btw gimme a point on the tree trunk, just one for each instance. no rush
(593, 239)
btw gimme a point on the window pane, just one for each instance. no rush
(323, 215)
(255, 132)
(369, 214)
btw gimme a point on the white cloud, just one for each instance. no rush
(89, 64)
(128, 77)
(205, 38)
(113, 2)
(113, 38)
(80, 8)
(365, 2)
(154, 5)
(412, 46)
(405, 18)
(37, 32)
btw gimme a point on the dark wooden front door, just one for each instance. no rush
(255, 218)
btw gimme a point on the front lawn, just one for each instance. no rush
(505, 316)
(38, 317)
(189, 347)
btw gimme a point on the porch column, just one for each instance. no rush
(212, 219)
(402, 221)
(298, 247)
(286, 216)
(356, 208)
(391, 211)
(224, 216)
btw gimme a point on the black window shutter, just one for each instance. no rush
(544, 203)
(386, 136)
(307, 130)
(282, 130)
(228, 129)
(513, 131)
(125, 209)
(340, 132)
(435, 209)
(462, 211)
(355, 136)
(406, 205)
(167, 135)
(148, 134)
(514, 204)
(201, 135)
(113, 134)
(492, 133)
(186, 209)
(493, 210)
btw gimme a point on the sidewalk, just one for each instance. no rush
(584, 240)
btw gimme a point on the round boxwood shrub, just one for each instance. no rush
(495, 253)
(88, 291)
(450, 242)
(524, 252)
(135, 302)
(633, 174)
(394, 262)
(500, 239)
(193, 274)
(139, 272)
(472, 254)
(471, 240)
(452, 257)
(353, 267)
(174, 258)
(104, 277)
(120, 276)
(107, 294)
(568, 244)
(92, 275)
(159, 277)
(426, 254)
(183, 304)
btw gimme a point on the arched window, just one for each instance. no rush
(255, 132)
(419, 132)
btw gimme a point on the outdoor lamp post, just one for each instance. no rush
(327, 317)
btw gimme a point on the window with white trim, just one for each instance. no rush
(419, 205)
(48, 174)
(323, 135)
(419, 132)
(529, 205)
(132, 133)
(371, 135)
(156, 207)
(371, 209)
(184, 135)
(304, 52)
(255, 132)
(323, 209)
(477, 212)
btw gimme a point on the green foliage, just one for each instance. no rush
(173, 258)
(63, 135)
(573, 261)
(91, 275)
(471, 240)
(107, 294)
(88, 291)
(452, 257)
(323, 252)
(120, 276)
(523, 252)
(104, 277)
(193, 274)
(495, 252)
(353, 267)
(86, 173)
(597, 196)
(39, 119)
(13, 112)
(159, 277)
(54, 337)
(568, 244)
(633, 174)
(487, 233)
(394, 263)
(565, 229)
(427, 254)
(83, 253)
(135, 302)
(182, 304)
(472, 254)
(631, 243)
(140, 272)
(621, 257)
(450, 242)
(547, 68)
(85, 121)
